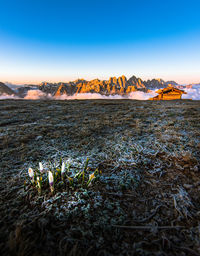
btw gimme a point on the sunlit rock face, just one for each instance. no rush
(112, 86)
(65, 89)
(4, 89)
(131, 89)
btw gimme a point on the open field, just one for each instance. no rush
(147, 200)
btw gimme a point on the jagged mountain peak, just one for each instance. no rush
(114, 85)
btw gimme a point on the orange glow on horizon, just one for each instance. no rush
(37, 81)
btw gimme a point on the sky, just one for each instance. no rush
(57, 40)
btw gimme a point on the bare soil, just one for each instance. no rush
(147, 201)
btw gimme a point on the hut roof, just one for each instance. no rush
(170, 89)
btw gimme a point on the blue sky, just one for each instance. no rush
(46, 40)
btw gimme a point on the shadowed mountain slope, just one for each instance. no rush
(4, 89)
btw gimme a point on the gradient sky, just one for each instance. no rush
(57, 40)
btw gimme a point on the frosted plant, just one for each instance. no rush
(31, 174)
(62, 176)
(182, 202)
(63, 169)
(41, 167)
(92, 177)
(51, 181)
(39, 184)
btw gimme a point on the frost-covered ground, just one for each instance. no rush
(145, 202)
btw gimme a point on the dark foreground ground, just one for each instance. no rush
(147, 201)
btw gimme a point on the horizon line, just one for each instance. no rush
(34, 82)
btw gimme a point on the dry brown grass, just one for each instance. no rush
(157, 141)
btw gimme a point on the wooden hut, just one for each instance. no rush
(169, 93)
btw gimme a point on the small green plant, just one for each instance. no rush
(62, 177)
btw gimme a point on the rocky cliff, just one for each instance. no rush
(4, 89)
(112, 86)
(158, 83)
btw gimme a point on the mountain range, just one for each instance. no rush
(113, 86)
